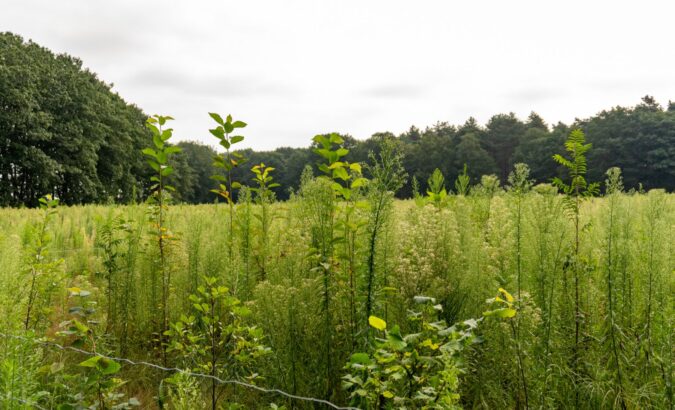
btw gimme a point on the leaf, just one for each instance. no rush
(218, 132)
(341, 152)
(153, 164)
(149, 151)
(217, 118)
(377, 323)
(361, 358)
(359, 182)
(503, 313)
(235, 139)
(395, 339)
(91, 362)
(166, 134)
(166, 171)
(239, 124)
(108, 366)
(336, 139)
(507, 295)
(340, 173)
(157, 140)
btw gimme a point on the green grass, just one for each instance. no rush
(459, 254)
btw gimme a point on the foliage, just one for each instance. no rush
(417, 370)
(213, 339)
(436, 194)
(42, 273)
(160, 198)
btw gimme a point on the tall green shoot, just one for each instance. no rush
(158, 158)
(388, 176)
(39, 269)
(227, 161)
(264, 196)
(575, 192)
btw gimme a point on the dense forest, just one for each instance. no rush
(63, 131)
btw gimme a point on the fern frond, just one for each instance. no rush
(562, 161)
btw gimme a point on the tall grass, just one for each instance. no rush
(458, 254)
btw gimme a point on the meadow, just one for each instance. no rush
(522, 296)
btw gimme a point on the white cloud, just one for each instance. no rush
(295, 68)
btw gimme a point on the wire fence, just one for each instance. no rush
(22, 401)
(171, 369)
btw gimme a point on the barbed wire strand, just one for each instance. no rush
(175, 369)
(22, 401)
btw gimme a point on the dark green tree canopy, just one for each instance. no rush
(64, 132)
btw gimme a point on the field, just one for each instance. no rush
(343, 300)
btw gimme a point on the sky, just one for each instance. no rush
(295, 68)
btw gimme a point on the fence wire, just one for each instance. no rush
(173, 369)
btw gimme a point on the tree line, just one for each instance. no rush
(64, 132)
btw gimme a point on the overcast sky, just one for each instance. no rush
(292, 69)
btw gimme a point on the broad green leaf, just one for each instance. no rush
(91, 362)
(361, 358)
(503, 313)
(149, 151)
(359, 182)
(340, 173)
(157, 140)
(153, 164)
(218, 132)
(336, 139)
(217, 118)
(377, 323)
(395, 339)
